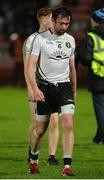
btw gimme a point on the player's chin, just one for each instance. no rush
(61, 32)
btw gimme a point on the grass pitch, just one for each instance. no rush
(88, 158)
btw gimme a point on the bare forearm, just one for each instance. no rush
(26, 79)
(31, 78)
(25, 72)
(31, 69)
(74, 80)
(74, 83)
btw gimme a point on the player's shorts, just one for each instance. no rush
(58, 98)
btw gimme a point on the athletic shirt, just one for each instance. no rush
(27, 46)
(54, 54)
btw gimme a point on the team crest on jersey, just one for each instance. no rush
(68, 45)
(59, 46)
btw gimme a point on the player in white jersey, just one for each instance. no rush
(53, 54)
(44, 17)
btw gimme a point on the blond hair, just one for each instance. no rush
(45, 11)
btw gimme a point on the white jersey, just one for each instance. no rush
(54, 55)
(27, 46)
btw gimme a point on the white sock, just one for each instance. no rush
(34, 161)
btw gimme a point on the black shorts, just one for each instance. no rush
(55, 97)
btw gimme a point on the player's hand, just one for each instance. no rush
(38, 95)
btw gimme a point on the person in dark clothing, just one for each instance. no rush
(91, 54)
(16, 43)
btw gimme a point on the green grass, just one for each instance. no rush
(88, 158)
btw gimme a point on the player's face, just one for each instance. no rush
(49, 21)
(61, 25)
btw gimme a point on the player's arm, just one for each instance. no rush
(73, 76)
(25, 60)
(26, 50)
(31, 68)
(30, 91)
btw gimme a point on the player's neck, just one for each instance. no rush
(42, 29)
(55, 33)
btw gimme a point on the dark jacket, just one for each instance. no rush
(85, 56)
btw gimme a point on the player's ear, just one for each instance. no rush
(44, 20)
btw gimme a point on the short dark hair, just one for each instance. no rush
(44, 12)
(61, 11)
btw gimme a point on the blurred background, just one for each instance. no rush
(18, 20)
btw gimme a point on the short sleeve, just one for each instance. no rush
(73, 49)
(27, 46)
(35, 47)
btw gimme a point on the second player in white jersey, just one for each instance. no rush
(44, 18)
